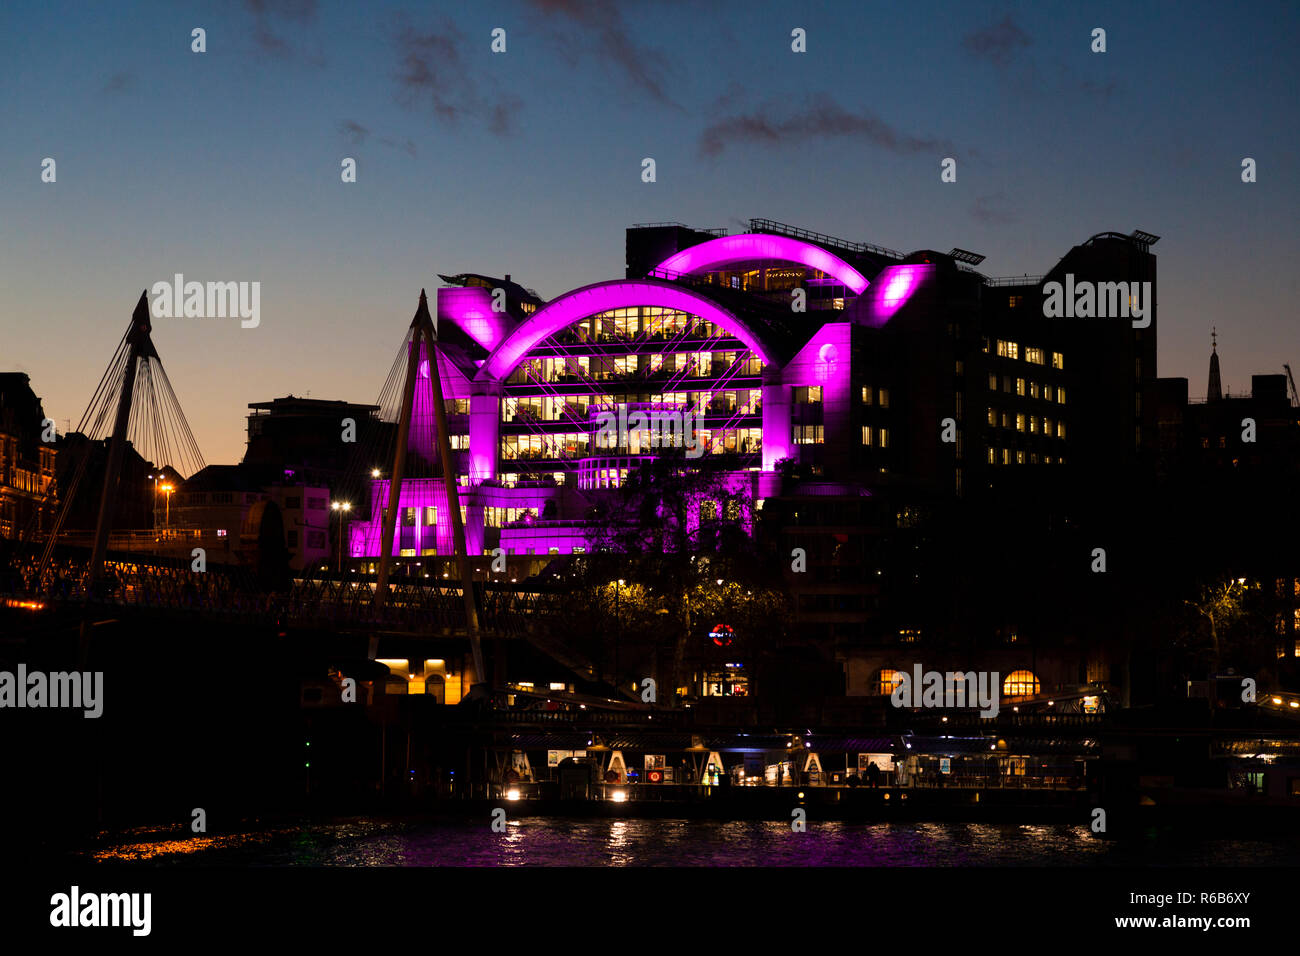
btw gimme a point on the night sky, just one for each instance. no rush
(225, 165)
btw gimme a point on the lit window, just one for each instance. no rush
(1058, 360)
(1020, 387)
(1020, 458)
(993, 417)
(1033, 389)
(1020, 421)
(1060, 429)
(883, 436)
(993, 382)
(1035, 356)
(1020, 684)
(866, 435)
(993, 456)
(1060, 396)
(883, 394)
(866, 394)
(889, 681)
(1008, 349)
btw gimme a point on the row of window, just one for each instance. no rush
(1034, 355)
(1028, 388)
(554, 408)
(1021, 683)
(1031, 423)
(1007, 456)
(875, 396)
(583, 368)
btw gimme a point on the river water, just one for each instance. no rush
(553, 841)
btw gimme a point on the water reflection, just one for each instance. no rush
(538, 841)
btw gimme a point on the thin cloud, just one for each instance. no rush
(354, 131)
(608, 38)
(993, 208)
(406, 146)
(826, 119)
(274, 18)
(120, 83)
(998, 43)
(432, 74)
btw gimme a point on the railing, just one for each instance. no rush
(1014, 280)
(769, 225)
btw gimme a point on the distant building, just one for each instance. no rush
(27, 464)
(222, 508)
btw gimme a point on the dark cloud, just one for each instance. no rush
(993, 208)
(999, 43)
(431, 73)
(822, 119)
(120, 83)
(605, 36)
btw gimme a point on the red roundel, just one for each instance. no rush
(655, 776)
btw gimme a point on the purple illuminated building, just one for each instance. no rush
(845, 381)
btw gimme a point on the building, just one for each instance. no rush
(28, 504)
(225, 509)
(864, 394)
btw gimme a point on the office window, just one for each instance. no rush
(1020, 387)
(867, 394)
(1006, 456)
(1006, 419)
(1060, 429)
(1033, 389)
(808, 434)
(1035, 356)
(993, 417)
(1033, 424)
(882, 436)
(1020, 421)
(1058, 360)
(866, 435)
(1006, 384)
(883, 395)
(1060, 396)
(993, 382)
(1020, 458)
(1047, 393)
(993, 455)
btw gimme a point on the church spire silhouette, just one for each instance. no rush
(1215, 391)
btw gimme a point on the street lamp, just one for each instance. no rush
(342, 507)
(167, 489)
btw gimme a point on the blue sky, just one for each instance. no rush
(225, 165)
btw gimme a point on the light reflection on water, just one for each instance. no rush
(543, 841)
